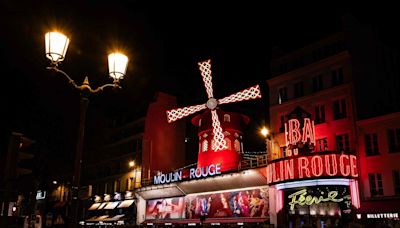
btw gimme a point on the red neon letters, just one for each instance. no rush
(293, 135)
(313, 166)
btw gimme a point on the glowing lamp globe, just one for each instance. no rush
(117, 64)
(56, 46)
(264, 132)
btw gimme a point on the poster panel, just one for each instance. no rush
(168, 208)
(228, 204)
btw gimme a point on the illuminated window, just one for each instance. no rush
(339, 109)
(282, 152)
(282, 95)
(227, 118)
(371, 144)
(322, 144)
(298, 89)
(228, 143)
(396, 182)
(237, 145)
(342, 143)
(394, 140)
(319, 114)
(317, 83)
(205, 145)
(282, 123)
(337, 76)
(375, 184)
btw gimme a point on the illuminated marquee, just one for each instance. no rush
(312, 166)
(194, 173)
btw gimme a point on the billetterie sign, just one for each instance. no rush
(194, 173)
(312, 166)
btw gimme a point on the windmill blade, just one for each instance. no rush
(179, 113)
(205, 69)
(251, 93)
(219, 140)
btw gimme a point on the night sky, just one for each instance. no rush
(164, 43)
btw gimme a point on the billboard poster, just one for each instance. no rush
(168, 208)
(229, 204)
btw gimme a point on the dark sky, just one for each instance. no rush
(164, 42)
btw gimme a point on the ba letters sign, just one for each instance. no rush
(312, 166)
(194, 173)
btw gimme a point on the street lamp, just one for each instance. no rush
(268, 145)
(56, 45)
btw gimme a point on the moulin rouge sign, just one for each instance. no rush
(310, 165)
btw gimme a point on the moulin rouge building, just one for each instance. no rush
(296, 183)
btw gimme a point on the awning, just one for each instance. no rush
(242, 179)
(125, 203)
(94, 206)
(111, 205)
(115, 218)
(379, 206)
(102, 205)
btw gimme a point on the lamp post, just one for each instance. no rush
(268, 145)
(56, 47)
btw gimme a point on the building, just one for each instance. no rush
(341, 82)
(379, 157)
(133, 149)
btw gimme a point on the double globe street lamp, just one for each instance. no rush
(56, 47)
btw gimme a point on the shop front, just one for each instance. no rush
(233, 198)
(111, 210)
(316, 189)
(379, 213)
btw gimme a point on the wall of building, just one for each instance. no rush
(163, 142)
(385, 161)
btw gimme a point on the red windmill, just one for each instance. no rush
(219, 142)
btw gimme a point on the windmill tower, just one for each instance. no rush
(218, 144)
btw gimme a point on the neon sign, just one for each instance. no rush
(301, 198)
(194, 173)
(295, 135)
(312, 166)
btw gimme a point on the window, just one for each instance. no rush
(342, 143)
(375, 184)
(282, 152)
(396, 182)
(127, 184)
(227, 118)
(319, 114)
(317, 83)
(205, 145)
(282, 124)
(237, 145)
(228, 143)
(371, 144)
(337, 76)
(298, 89)
(339, 109)
(199, 122)
(394, 140)
(322, 144)
(282, 96)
